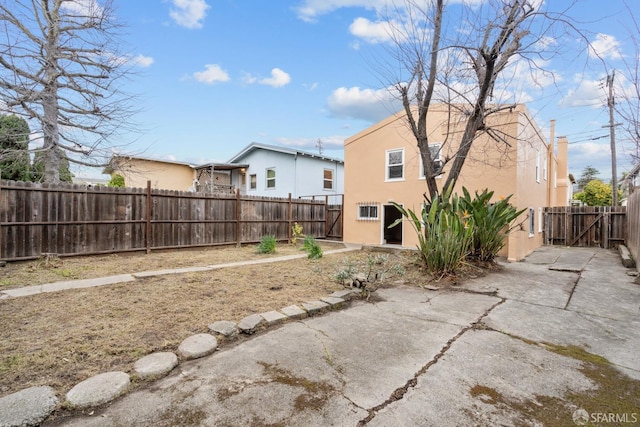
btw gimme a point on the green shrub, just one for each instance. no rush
(267, 245)
(314, 251)
(491, 223)
(444, 233)
(116, 181)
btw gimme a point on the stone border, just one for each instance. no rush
(35, 404)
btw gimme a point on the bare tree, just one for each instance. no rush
(455, 59)
(60, 69)
(627, 104)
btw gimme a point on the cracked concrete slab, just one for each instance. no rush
(507, 368)
(460, 356)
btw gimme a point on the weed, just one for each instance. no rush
(296, 232)
(267, 245)
(314, 251)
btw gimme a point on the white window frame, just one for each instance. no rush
(540, 220)
(267, 179)
(421, 174)
(325, 180)
(388, 165)
(545, 166)
(369, 217)
(253, 181)
(537, 165)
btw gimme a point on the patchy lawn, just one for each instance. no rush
(62, 338)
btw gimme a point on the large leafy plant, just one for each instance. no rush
(492, 223)
(444, 232)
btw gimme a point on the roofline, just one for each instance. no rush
(286, 150)
(150, 159)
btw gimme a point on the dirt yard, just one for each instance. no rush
(62, 338)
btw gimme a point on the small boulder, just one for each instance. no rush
(224, 327)
(98, 389)
(27, 407)
(198, 345)
(250, 324)
(156, 365)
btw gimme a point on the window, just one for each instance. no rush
(328, 179)
(537, 165)
(368, 212)
(271, 178)
(253, 181)
(532, 222)
(436, 155)
(395, 164)
(545, 168)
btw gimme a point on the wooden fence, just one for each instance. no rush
(66, 219)
(596, 226)
(633, 225)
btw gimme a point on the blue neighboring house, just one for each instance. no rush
(273, 171)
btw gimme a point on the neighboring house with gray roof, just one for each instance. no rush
(279, 171)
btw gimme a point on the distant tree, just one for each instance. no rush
(60, 69)
(15, 163)
(117, 180)
(589, 173)
(38, 168)
(596, 193)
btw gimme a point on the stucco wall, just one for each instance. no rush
(166, 176)
(504, 167)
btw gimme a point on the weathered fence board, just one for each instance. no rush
(77, 220)
(633, 225)
(591, 226)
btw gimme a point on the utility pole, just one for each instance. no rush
(612, 136)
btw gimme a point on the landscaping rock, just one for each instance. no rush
(294, 312)
(314, 306)
(250, 324)
(627, 259)
(224, 327)
(98, 389)
(346, 294)
(27, 407)
(156, 365)
(333, 301)
(198, 345)
(273, 317)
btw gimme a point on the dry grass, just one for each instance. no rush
(60, 339)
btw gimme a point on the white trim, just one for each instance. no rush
(537, 165)
(266, 178)
(387, 165)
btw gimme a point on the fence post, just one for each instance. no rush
(238, 218)
(289, 218)
(148, 225)
(606, 227)
(326, 215)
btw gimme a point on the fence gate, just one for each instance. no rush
(591, 226)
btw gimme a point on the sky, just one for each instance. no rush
(216, 75)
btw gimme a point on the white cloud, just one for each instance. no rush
(84, 8)
(142, 61)
(588, 93)
(311, 144)
(189, 13)
(212, 73)
(372, 32)
(605, 46)
(278, 78)
(249, 79)
(366, 104)
(309, 10)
